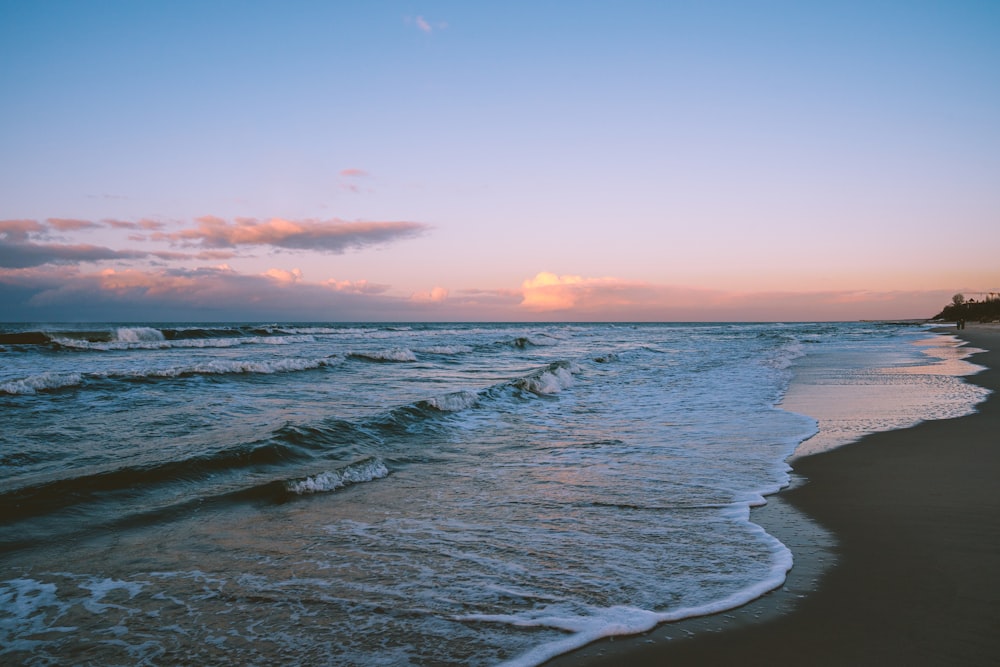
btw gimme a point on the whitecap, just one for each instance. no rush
(41, 382)
(366, 470)
(394, 354)
(453, 402)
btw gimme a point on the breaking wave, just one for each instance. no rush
(453, 402)
(398, 354)
(41, 382)
(367, 470)
(550, 380)
(50, 381)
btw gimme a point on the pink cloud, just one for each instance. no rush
(150, 225)
(284, 277)
(69, 224)
(215, 293)
(353, 173)
(330, 235)
(355, 286)
(18, 230)
(552, 297)
(436, 295)
(550, 292)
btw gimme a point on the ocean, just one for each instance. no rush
(414, 494)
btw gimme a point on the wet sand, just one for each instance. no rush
(902, 568)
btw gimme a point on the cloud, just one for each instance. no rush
(26, 254)
(18, 250)
(353, 175)
(150, 225)
(57, 293)
(70, 225)
(436, 295)
(335, 236)
(60, 292)
(427, 26)
(549, 296)
(550, 292)
(284, 277)
(355, 286)
(18, 230)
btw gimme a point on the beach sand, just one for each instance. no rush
(903, 568)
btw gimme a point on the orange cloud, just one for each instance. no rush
(436, 295)
(284, 277)
(550, 292)
(552, 297)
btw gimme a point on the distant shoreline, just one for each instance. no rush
(909, 524)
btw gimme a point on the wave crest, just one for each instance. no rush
(394, 354)
(366, 470)
(453, 402)
(41, 382)
(137, 335)
(551, 380)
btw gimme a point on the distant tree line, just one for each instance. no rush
(960, 308)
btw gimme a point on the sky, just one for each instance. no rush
(690, 160)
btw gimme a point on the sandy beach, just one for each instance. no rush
(902, 567)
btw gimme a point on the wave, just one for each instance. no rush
(453, 402)
(522, 342)
(151, 343)
(138, 334)
(227, 367)
(42, 382)
(550, 380)
(445, 349)
(366, 470)
(256, 471)
(397, 354)
(46, 497)
(50, 381)
(144, 337)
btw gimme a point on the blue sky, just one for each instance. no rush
(398, 160)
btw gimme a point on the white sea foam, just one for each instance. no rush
(138, 335)
(454, 402)
(233, 366)
(394, 354)
(550, 381)
(25, 608)
(100, 588)
(783, 357)
(142, 338)
(363, 471)
(41, 382)
(621, 620)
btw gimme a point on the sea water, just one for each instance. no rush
(409, 494)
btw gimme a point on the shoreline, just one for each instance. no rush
(896, 546)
